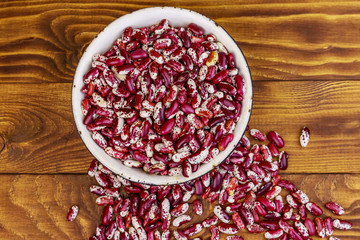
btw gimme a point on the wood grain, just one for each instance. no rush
(37, 127)
(35, 206)
(39, 135)
(43, 41)
(41, 203)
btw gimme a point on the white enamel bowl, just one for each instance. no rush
(147, 17)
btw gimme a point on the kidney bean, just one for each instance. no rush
(314, 209)
(320, 228)
(180, 210)
(274, 234)
(97, 190)
(302, 212)
(104, 200)
(187, 108)
(110, 230)
(134, 207)
(199, 188)
(221, 214)
(195, 29)
(228, 228)
(273, 149)
(73, 212)
(294, 234)
(283, 160)
(310, 226)
(227, 104)
(292, 202)
(107, 214)
(180, 220)
(254, 228)
(214, 233)
(138, 54)
(269, 224)
(305, 137)
(246, 215)
(245, 187)
(231, 60)
(153, 226)
(276, 138)
(255, 133)
(238, 221)
(179, 235)
(301, 228)
(264, 188)
(328, 224)
(285, 226)
(300, 196)
(287, 185)
(335, 208)
(192, 230)
(90, 116)
(342, 224)
(224, 142)
(249, 200)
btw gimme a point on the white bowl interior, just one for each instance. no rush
(147, 17)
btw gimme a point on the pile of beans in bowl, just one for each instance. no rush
(162, 98)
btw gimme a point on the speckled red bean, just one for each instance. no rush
(276, 138)
(221, 214)
(229, 229)
(73, 212)
(198, 208)
(302, 212)
(305, 137)
(314, 209)
(286, 184)
(329, 228)
(320, 228)
(199, 187)
(107, 214)
(342, 224)
(294, 234)
(210, 221)
(246, 216)
(274, 234)
(224, 142)
(335, 208)
(283, 160)
(238, 221)
(255, 133)
(309, 224)
(214, 233)
(195, 29)
(192, 230)
(255, 228)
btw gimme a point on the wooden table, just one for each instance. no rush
(304, 59)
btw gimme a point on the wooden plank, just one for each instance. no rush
(43, 41)
(38, 130)
(35, 206)
(39, 135)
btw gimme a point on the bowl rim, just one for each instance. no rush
(173, 181)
